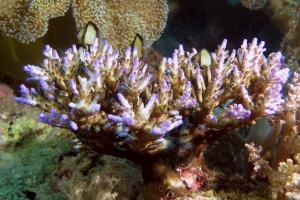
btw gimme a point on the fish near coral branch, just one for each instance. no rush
(245, 80)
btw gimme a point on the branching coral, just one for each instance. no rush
(161, 121)
(284, 181)
(283, 172)
(118, 19)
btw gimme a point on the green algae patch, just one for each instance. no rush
(24, 128)
(29, 153)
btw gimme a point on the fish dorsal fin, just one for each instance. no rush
(87, 34)
(139, 43)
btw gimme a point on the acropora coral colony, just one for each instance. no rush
(159, 116)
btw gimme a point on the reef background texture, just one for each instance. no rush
(31, 152)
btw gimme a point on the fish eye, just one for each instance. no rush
(160, 188)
